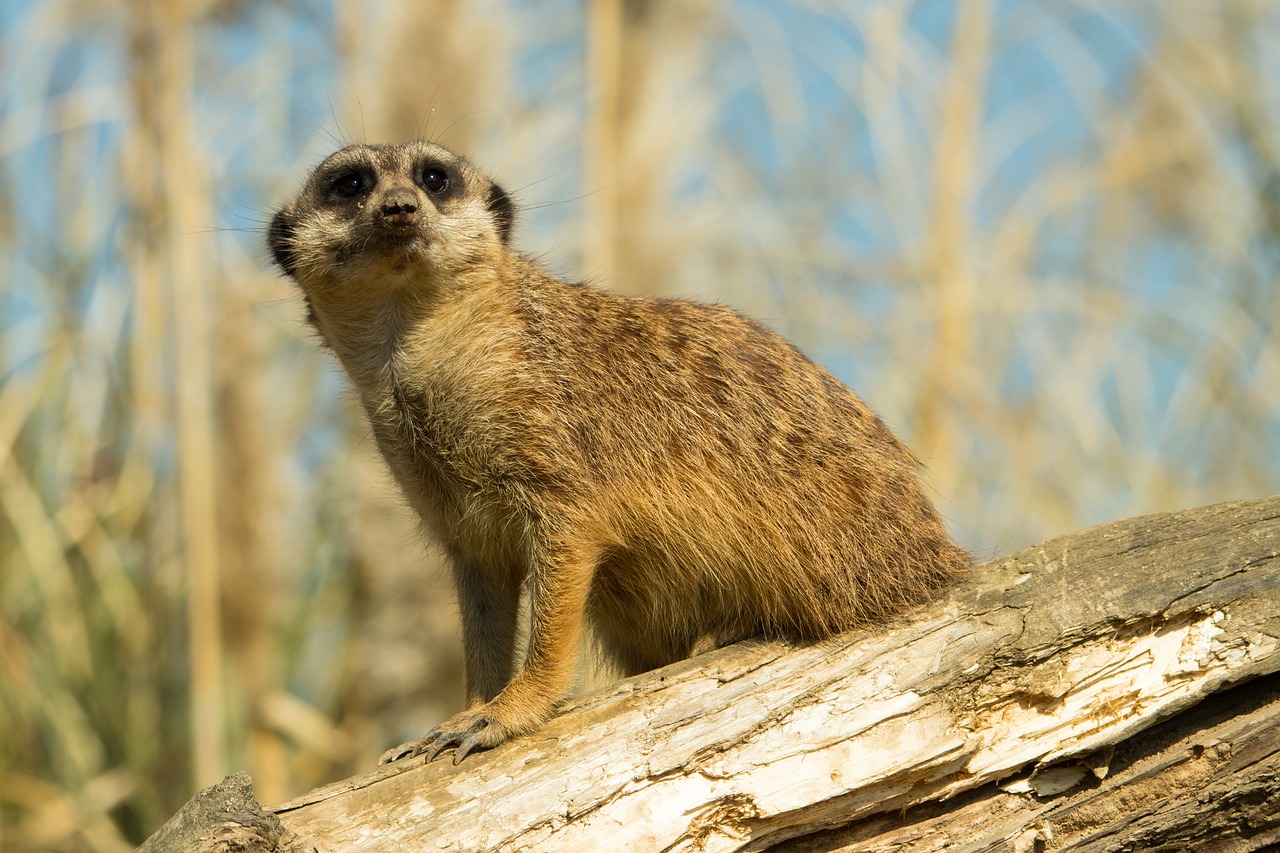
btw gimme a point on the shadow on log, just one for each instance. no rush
(1114, 689)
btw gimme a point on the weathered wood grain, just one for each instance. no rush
(1206, 780)
(899, 733)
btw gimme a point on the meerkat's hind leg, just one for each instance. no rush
(706, 643)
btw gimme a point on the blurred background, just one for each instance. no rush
(1040, 237)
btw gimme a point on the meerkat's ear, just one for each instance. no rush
(280, 241)
(503, 212)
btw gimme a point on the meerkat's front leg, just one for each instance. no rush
(562, 575)
(489, 603)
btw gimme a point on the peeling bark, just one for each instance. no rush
(1074, 696)
(1207, 780)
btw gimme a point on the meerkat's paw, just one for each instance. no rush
(482, 728)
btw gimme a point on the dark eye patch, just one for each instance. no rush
(348, 184)
(435, 179)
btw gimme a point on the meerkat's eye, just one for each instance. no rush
(347, 185)
(435, 180)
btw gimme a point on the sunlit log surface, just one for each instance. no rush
(1081, 694)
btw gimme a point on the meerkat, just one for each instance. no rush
(671, 472)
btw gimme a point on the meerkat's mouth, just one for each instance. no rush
(386, 249)
(394, 238)
(400, 217)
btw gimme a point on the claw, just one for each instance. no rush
(466, 736)
(471, 741)
(404, 750)
(433, 744)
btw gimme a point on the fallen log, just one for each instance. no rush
(1075, 695)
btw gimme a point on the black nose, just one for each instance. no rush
(399, 206)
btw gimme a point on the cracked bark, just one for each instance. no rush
(1114, 689)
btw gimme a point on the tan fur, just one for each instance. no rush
(676, 473)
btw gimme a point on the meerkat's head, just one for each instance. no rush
(390, 215)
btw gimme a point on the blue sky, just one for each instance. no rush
(791, 83)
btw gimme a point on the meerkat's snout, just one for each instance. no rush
(399, 206)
